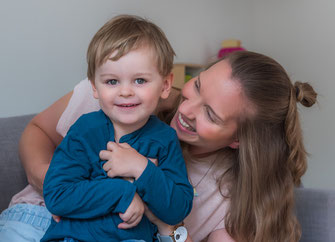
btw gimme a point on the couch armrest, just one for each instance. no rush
(315, 210)
(12, 175)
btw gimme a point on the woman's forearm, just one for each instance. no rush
(36, 150)
(220, 235)
(166, 230)
(39, 141)
(163, 228)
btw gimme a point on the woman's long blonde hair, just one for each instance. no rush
(271, 157)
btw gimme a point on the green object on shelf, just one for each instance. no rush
(187, 77)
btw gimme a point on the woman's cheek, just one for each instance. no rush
(205, 132)
(213, 134)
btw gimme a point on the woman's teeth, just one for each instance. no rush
(184, 124)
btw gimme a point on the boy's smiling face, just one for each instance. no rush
(129, 89)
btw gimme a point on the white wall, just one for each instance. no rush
(43, 46)
(300, 34)
(43, 43)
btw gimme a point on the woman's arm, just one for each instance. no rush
(219, 235)
(39, 141)
(165, 229)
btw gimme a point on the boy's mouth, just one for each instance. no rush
(127, 105)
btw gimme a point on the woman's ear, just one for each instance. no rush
(95, 92)
(167, 84)
(235, 145)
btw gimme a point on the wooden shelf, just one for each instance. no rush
(183, 71)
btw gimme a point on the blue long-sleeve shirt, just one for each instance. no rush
(89, 202)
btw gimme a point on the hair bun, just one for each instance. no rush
(305, 93)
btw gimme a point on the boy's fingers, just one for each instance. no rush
(136, 222)
(124, 145)
(132, 219)
(126, 216)
(105, 154)
(123, 216)
(125, 225)
(112, 146)
(107, 166)
(110, 173)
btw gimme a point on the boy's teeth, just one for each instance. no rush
(130, 105)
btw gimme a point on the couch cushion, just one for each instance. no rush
(316, 213)
(12, 175)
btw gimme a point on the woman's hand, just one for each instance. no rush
(133, 214)
(123, 160)
(163, 228)
(56, 218)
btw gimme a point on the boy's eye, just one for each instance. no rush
(140, 81)
(112, 82)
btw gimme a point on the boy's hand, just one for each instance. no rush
(123, 160)
(133, 214)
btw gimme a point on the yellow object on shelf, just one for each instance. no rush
(230, 43)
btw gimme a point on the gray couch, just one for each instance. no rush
(315, 208)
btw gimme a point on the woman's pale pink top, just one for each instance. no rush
(209, 206)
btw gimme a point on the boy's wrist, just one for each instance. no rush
(140, 167)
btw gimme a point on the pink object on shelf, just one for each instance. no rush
(225, 51)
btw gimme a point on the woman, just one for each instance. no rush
(239, 123)
(256, 132)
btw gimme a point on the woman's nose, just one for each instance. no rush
(189, 108)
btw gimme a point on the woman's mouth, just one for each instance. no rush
(184, 125)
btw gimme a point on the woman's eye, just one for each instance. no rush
(140, 81)
(196, 84)
(209, 115)
(111, 82)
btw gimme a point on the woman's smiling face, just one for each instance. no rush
(207, 117)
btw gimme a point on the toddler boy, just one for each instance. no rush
(129, 66)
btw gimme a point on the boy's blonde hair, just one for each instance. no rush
(124, 33)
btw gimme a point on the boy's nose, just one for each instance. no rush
(126, 91)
